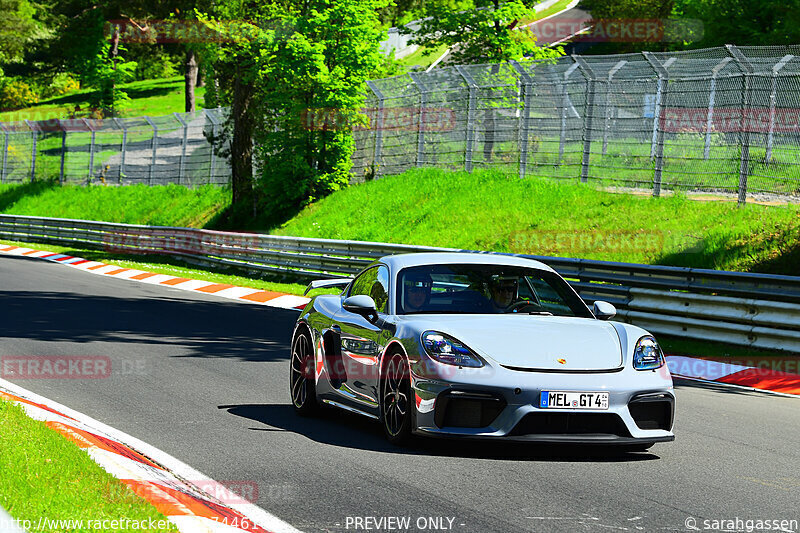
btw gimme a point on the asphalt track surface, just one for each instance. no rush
(206, 379)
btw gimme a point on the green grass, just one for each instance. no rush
(148, 97)
(422, 57)
(490, 210)
(46, 475)
(168, 205)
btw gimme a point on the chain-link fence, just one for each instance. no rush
(723, 119)
(151, 150)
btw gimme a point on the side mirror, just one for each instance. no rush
(603, 310)
(361, 304)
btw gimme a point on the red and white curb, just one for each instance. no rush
(760, 379)
(193, 506)
(224, 290)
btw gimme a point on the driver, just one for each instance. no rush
(416, 291)
(503, 291)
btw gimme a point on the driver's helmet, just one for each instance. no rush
(416, 282)
(504, 287)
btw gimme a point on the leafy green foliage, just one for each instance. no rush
(744, 22)
(305, 65)
(15, 94)
(106, 72)
(484, 32)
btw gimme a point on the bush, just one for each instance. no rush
(62, 84)
(16, 94)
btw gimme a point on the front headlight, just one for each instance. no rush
(449, 351)
(647, 355)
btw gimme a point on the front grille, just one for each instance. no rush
(652, 412)
(467, 410)
(571, 424)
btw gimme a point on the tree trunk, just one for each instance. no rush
(242, 143)
(190, 78)
(201, 80)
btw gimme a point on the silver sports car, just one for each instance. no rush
(479, 346)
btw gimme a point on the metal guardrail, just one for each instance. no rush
(741, 308)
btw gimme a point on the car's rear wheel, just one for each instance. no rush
(301, 375)
(396, 402)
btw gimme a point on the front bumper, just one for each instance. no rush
(505, 405)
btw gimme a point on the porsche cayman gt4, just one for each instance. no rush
(482, 346)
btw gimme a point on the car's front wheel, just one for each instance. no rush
(301, 375)
(396, 402)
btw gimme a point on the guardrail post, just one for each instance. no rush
(527, 94)
(564, 103)
(773, 96)
(63, 151)
(155, 148)
(711, 97)
(744, 160)
(5, 154)
(606, 125)
(423, 102)
(470, 138)
(91, 150)
(588, 73)
(34, 139)
(182, 166)
(657, 147)
(121, 125)
(376, 155)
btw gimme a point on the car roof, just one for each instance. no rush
(398, 262)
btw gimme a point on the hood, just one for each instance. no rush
(534, 342)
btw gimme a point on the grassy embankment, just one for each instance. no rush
(44, 475)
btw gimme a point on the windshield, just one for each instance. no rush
(482, 289)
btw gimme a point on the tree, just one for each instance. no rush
(18, 27)
(485, 32)
(296, 77)
(743, 22)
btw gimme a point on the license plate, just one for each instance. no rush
(573, 400)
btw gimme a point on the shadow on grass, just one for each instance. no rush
(14, 194)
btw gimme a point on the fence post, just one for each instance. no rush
(611, 73)
(155, 148)
(210, 116)
(182, 166)
(587, 72)
(773, 96)
(5, 154)
(527, 94)
(711, 97)
(660, 87)
(91, 150)
(376, 155)
(121, 125)
(63, 151)
(564, 102)
(470, 144)
(34, 139)
(423, 102)
(657, 147)
(744, 161)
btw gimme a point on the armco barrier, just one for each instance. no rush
(757, 310)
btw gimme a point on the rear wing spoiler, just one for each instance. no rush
(326, 283)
